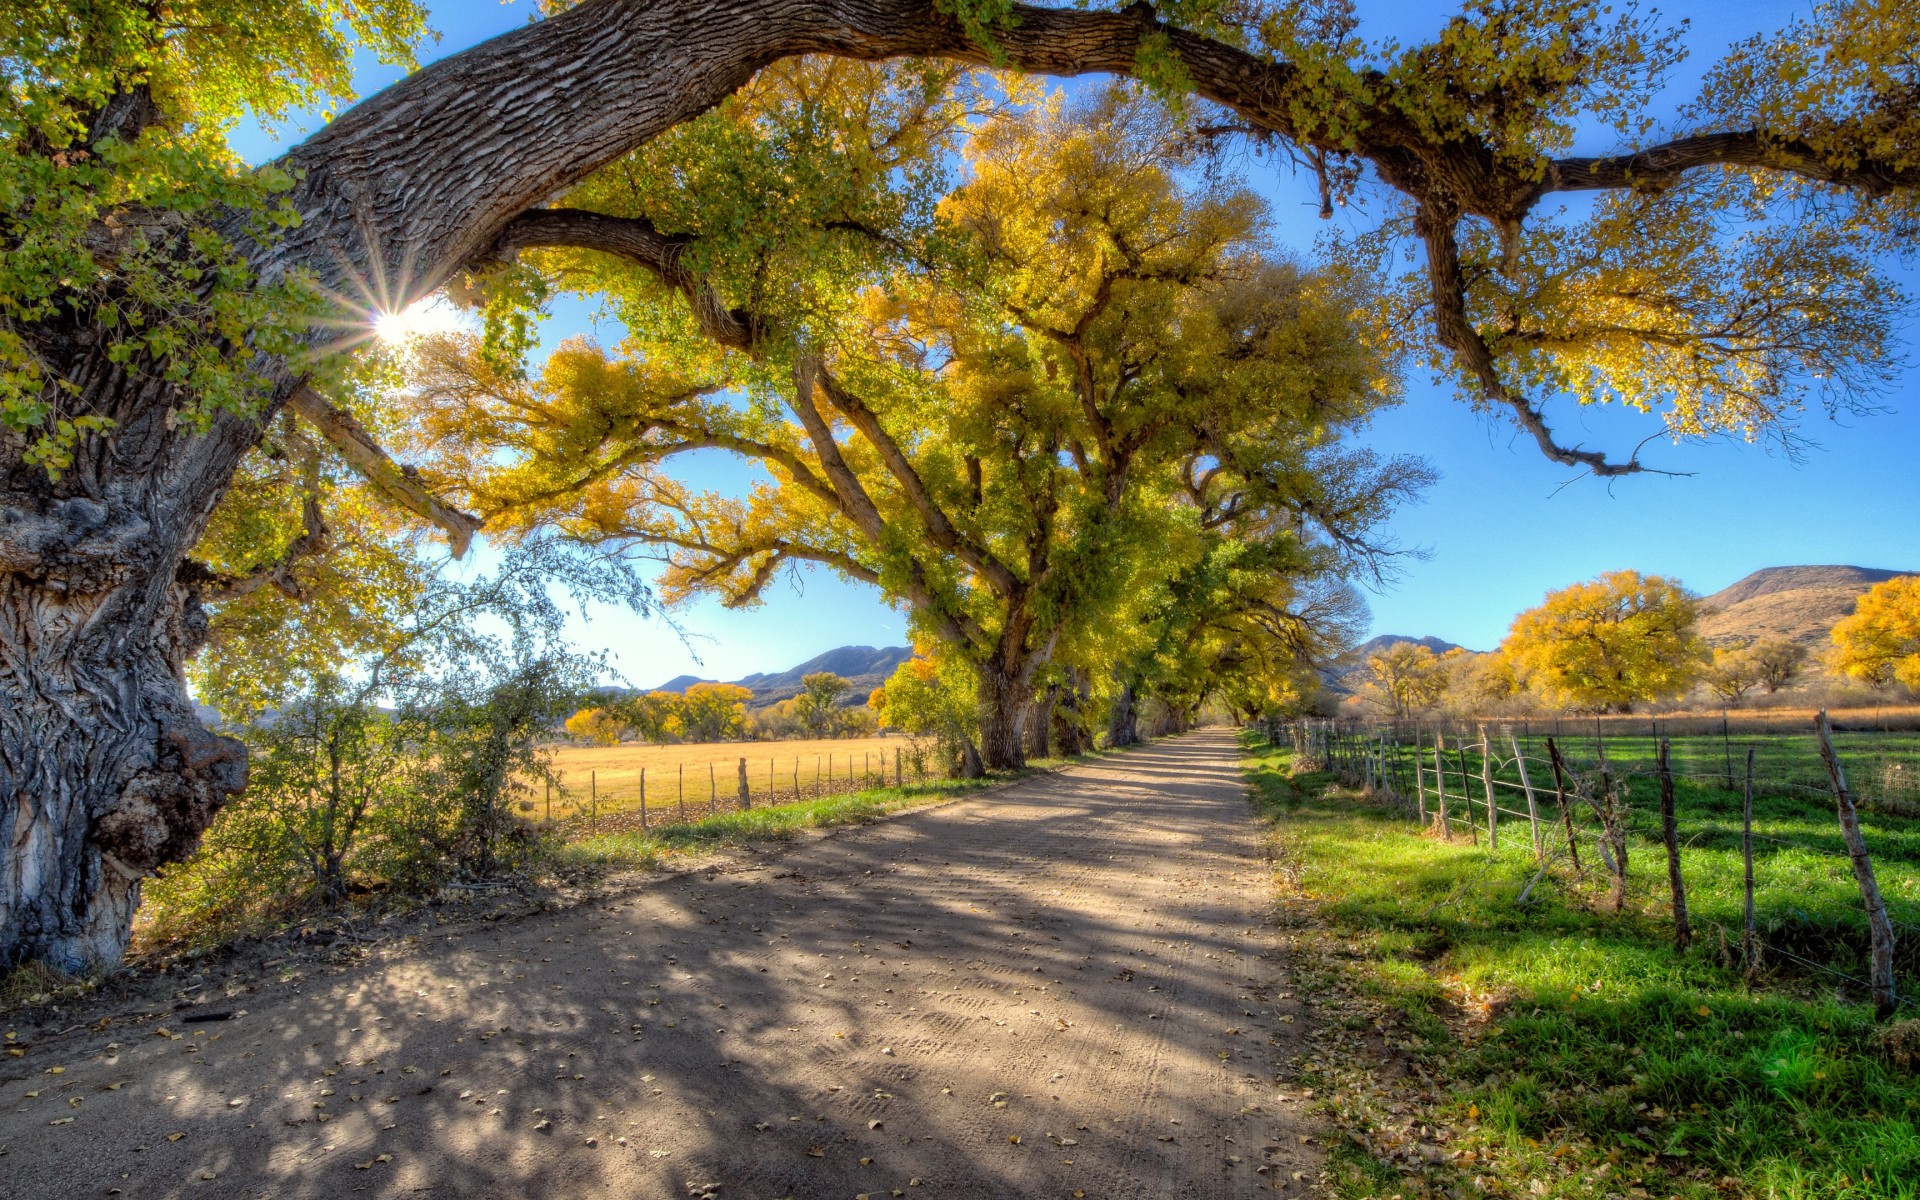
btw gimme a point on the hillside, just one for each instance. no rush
(1375, 645)
(866, 667)
(1799, 604)
(1345, 674)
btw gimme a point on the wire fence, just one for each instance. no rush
(624, 801)
(1573, 798)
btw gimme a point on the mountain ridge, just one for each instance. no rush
(866, 667)
(1799, 604)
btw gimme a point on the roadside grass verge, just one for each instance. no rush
(1471, 1047)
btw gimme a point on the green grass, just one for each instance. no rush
(1806, 901)
(1569, 1051)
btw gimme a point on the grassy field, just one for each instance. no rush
(1471, 1046)
(706, 774)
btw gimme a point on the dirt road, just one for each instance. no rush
(1067, 987)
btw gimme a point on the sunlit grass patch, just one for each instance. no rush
(1561, 1050)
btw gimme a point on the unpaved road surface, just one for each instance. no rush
(1066, 987)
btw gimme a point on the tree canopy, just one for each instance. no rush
(1012, 406)
(1879, 642)
(1609, 643)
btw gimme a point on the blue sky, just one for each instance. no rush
(1503, 525)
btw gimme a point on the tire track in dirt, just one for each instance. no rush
(1060, 988)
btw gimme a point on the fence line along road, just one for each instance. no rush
(1513, 787)
(642, 798)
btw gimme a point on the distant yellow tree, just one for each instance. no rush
(595, 725)
(713, 712)
(1880, 643)
(1407, 677)
(654, 716)
(1778, 662)
(1479, 684)
(1608, 643)
(1732, 673)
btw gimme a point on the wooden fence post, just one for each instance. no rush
(713, 790)
(1614, 822)
(1419, 777)
(643, 799)
(1560, 798)
(1526, 785)
(897, 780)
(746, 799)
(1749, 943)
(1670, 834)
(1440, 781)
(1486, 785)
(1466, 791)
(1877, 922)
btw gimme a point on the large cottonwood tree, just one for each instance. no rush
(148, 334)
(1018, 411)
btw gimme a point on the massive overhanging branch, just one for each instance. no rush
(1456, 332)
(635, 240)
(389, 478)
(1663, 165)
(391, 212)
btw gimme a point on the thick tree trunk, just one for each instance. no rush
(1070, 735)
(105, 770)
(1123, 723)
(1039, 718)
(1003, 704)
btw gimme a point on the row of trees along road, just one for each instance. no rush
(174, 322)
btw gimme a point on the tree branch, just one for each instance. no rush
(635, 240)
(397, 483)
(940, 530)
(1456, 332)
(1659, 167)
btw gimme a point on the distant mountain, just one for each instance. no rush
(1375, 645)
(1345, 675)
(866, 667)
(1800, 604)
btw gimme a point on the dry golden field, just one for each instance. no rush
(706, 775)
